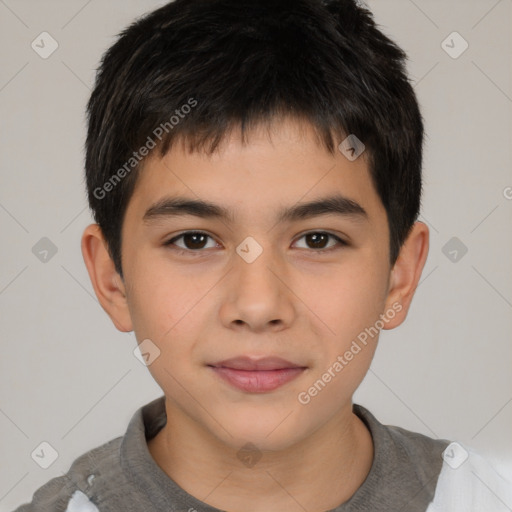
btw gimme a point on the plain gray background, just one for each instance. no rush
(69, 378)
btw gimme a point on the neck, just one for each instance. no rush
(316, 474)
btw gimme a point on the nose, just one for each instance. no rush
(258, 298)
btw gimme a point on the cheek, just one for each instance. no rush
(161, 302)
(166, 311)
(348, 300)
(346, 348)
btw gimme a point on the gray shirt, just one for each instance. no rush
(122, 476)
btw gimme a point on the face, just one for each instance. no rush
(256, 284)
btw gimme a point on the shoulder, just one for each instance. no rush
(417, 472)
(405, 468)
(80, 489)
(105, 479)
(400, 448)
(469, 482)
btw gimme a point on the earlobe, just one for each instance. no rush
(406, 273)
(107, 283)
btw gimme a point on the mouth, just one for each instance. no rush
(257, 375)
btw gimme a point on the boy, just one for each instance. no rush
(254, 169)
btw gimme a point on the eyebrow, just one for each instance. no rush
(180, 206)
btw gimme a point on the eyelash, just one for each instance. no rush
(341, 243)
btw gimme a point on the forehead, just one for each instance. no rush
(283, 163)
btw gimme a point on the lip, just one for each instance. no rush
(256, 364)
(257, 375)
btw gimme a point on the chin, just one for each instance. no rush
(275, 431)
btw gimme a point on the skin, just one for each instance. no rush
(292, 301)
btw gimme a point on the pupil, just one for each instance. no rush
(315, 238)
(194, 236)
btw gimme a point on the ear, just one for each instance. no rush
(106, 281)
(406, 273)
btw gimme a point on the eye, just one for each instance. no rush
(193, 240)
(318, 239)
